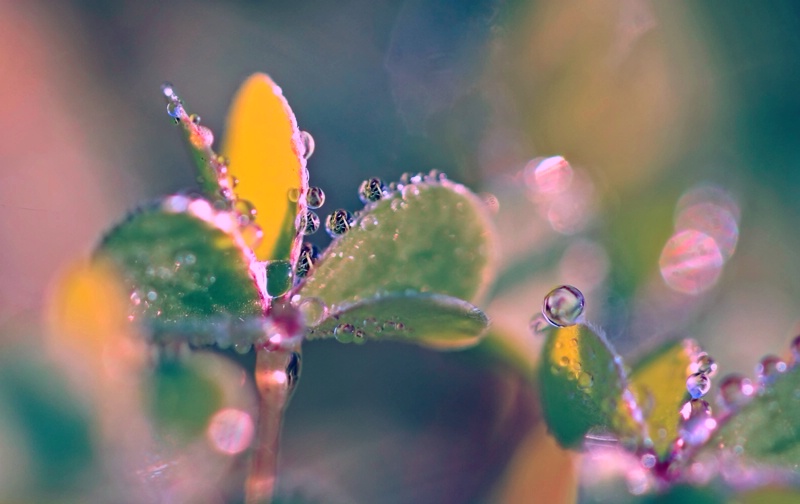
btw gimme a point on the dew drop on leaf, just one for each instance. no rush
(308, 144)
(697, 424)
(770, 367)
(338, 223)
(563, 306)
(698, 385)
(315, 197)
(242, 347)
(371, 190)
(246, 210)
(307, 222)
(704, 364)
(279, 278)
(252, 235)
(312, 311)
(309, 253)
(174, 108)
(585, 380)
(735, 391)
(344, 333)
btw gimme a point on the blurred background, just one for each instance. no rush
(674, 209)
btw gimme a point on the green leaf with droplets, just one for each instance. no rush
(435, 237)
(768, 427)
(181, 267)
(658, 383)
(428, 319)
(583, 387)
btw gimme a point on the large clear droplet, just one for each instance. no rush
(338, 223)
(312, 311)
(563, 306)
(698, 385)
(174, 108)
(315, 197)
(371, 190)
(279, 278)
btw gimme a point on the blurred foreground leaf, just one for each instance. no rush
(768, 496)
(429, 319)
(435, 238)
(658, 383)
(684, 494)
(177, 266)
(768, 427)
(582, 386)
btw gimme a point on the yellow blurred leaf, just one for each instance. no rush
(265, 151)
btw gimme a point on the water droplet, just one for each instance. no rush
(735, 391)
(293, 369)
(371, 190)
(312, 311)
(769, 367)
(704, 364)
(563, 306)
(648, 460)
(697, 424)
(293, 194)
(307, 222)
(174, 108)
(167, 89)
(690, 262)
(315, 197)
(136, 298)
(309, 254)
(246, 210)
(698, 385)
(279, 278)
(195, 119)
(338, 223)
(344, 333)
(252, 235)
(152, 296)
(410, 191)
(551, 175)
(795, 346)
(585, 380)
(231, 431)
(242, 347)
(308, 144)
(368, 222)
(564, 361)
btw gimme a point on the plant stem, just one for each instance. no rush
(276, 376)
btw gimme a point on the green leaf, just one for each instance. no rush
(685, 494)
(178, 266)
(768, 427)
(772, 495)
(435, 237)
(583, 387)
(659, 385)
(183, 398)
(427, 319)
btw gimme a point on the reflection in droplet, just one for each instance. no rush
(704, 364)
(563, 306)
(315, 197)
(309, 253)
(698, 385)
(230, 431)
(697, 424)
(307, 222)
(371, 190)
(690, 262)
(338, 222)
(551, 175)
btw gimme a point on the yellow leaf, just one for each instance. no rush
(265, 151)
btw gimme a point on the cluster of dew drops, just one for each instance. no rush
(307, 222)
(563, 307)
